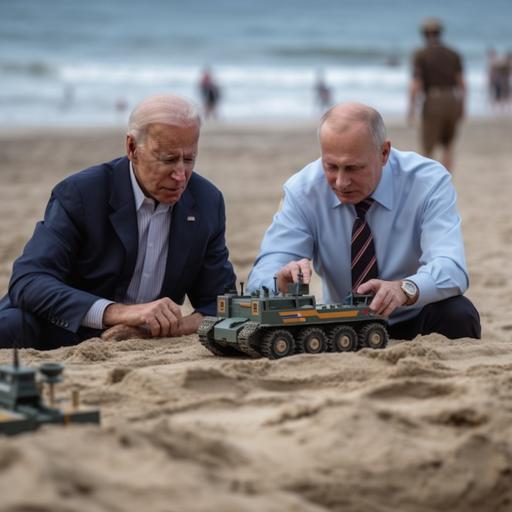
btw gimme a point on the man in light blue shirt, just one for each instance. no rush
(413, 219)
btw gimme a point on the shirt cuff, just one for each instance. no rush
(426, 287)
(94, 317)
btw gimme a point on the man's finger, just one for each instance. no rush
(154, 327)
(295, 268)
(169, 305)
(165, 324)
(305, 266)
(175, 329)
(377, 304)
(301, 266)
(372, 285)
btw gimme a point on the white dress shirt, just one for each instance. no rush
(148, 276)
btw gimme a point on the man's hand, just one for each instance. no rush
(161, 317)
(290, 274)
(187, 325)
(388, 295)
(122, 332)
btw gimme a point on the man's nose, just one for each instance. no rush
(178, 173)
(342, 180)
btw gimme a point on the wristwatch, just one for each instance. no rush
(411, 292)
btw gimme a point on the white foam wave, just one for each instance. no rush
(88, 92)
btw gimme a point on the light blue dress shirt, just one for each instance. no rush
(153, 229)
(414, 221)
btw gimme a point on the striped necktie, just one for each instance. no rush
(364, 261)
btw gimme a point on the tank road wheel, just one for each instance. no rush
(311, 340)
(277, 343)
(343, 338)
(373, 336)
(206, 338)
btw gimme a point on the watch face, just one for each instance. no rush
(409, 288)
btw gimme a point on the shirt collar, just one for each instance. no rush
(140, 198)
(383, 194)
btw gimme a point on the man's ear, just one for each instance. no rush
(131, 147)
(385, 150)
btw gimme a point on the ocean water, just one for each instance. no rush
(70, 62)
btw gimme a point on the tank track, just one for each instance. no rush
(206, 338)
(246, 335)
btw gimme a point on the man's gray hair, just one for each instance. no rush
(342, 116)
(163, 108)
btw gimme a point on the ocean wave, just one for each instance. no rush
(233, 75)
(89, 92)
(393, 57)
(248, 77)
(28, 68)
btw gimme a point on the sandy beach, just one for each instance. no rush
(420, 426)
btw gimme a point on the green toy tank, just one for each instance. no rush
(22, 407)
(21, 404)
(276, 325)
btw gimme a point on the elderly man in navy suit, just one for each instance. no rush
(123, 242)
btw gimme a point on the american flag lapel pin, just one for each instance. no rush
(191, 218)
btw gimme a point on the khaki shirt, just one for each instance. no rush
(437, 67)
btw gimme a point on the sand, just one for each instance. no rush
(420, 426)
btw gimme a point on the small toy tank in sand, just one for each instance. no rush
(273, 325)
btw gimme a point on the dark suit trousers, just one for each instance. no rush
(454, 318)
(35, 333)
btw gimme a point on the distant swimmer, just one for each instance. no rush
(323, 94)
(210, 93)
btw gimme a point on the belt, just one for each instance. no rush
(443, 91)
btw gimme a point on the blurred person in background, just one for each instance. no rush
(438, 79)
(323, 96)
(123, 242)
(499, 69)
(493, 87)
(210, 94)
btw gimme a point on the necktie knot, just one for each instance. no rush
(363, 207)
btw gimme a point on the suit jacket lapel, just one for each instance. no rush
(124, 221)
(184, 225)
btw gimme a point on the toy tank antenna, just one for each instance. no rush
(298, 284)
(15, 355)
(275, 284)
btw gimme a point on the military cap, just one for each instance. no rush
(431, 25)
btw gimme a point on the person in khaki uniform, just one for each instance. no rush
(438, 77)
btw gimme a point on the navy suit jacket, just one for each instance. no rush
(86, 249)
